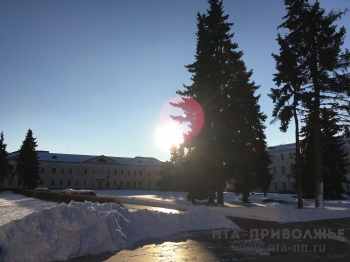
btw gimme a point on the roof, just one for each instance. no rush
(57, 157)
(281, 147)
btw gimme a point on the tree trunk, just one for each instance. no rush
(245, 197)
(220, 199)
(211, 197)
(297, 158)
(318, 166)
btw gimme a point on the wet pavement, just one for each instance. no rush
(200, 245)
(159, 209)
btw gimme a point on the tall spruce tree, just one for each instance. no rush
(316, 44)
(334, 165)
(28, 166)
(5, 166)
(287, 98)
(231, 142)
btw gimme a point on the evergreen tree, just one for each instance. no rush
(316, 44)
(231, 142)
(334, 165)
(5, 166)
(28, 166)
(171, 171)
(287, 98)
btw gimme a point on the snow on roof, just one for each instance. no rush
(56, 157)
(281, 147)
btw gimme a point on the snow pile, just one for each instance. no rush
(41, 189)
(77, 191)
(15, 206)
(77, 229)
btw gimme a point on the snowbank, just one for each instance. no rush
(66, 231)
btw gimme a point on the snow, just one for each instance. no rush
(76, 191)
(275, 207)
(35, 230)
(63, 231)
(41, 189)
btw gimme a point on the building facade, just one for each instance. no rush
(282, 158)
(59, 171)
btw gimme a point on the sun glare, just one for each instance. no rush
(167, 135)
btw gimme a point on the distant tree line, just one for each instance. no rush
(27, 165)
(312, 87)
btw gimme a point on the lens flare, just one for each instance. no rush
(169, 134)
(189, 111)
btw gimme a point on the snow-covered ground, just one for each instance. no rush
(275, 207)
(66, 231)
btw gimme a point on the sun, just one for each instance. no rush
(167, 135)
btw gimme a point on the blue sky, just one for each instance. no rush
(95, 77)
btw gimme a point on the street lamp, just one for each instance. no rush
(288, 177)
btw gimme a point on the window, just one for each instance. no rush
(134, 184)
(284, 186)
(116, 172)
(134, 172)
(78, 170)
(42, 170)
(140, 173)
(272, 157)
(274, 171)
(108, 172)
(69, 183)
(93, 171)
(41, 182)
(84, 183)
(61, 182)
(291, 155)
(276, 187)
(140, 183)
(62, 170)
(282, 157)
(9, 182)
(128, 172)
(85, 172)
(76, 183)
(121, 183)
(127, 183)
(70, 170)
(101, 171)
(92, 184)
(149, 184)
(283, 170)
(122, 172)
(53, 170)
(115, 183)
(149, 173)
(19, 182)
(291, 169)
(52, 182)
